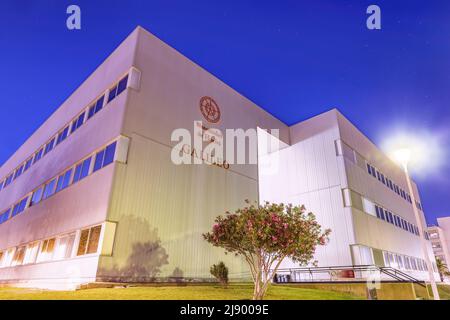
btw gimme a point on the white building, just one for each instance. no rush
(440, 239)
(93, 194)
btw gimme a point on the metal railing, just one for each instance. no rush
(357, 273)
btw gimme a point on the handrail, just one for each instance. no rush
(393, 273)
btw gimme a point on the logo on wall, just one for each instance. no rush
(210, 110)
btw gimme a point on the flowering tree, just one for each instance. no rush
(266, 234)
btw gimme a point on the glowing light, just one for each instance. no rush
(423, 152)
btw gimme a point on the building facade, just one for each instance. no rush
(94, 194)
(440, 240)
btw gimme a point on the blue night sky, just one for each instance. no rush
(295, 59)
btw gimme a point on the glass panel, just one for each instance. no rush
(85, 169)
(109, 154)
(83, 242)
(60, 182)
(28, 164)
(91, 111)
(66, 181)
(99, 160)
(112, 94)
(49, 146)
(49, 189)
(77, 173)
(122, 85)
(94, 236)
(99, 104)
(37, 156)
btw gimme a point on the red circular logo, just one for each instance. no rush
(210, 110)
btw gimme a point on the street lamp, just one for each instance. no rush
(403, 156)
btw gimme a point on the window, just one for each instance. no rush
(82, 170)
(27, 164)
(7, 257)
(49, 146)
(37, 196)
(99, 104)
(19, 207)
(49, 189)
(407, 263)
(1, 185)
(4, 216)
(18, 256)
(62, 135)
(38, 156)
(96, 107)
(18, 172)
(63, 180)
(89, 239)
(391, 218)
(77, 122)
(8, 180)
(46, 250)
(104, 157)
(117, 89)
(122, 85)
(64, 246)
(31, 253)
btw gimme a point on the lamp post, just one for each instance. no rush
(403, 157)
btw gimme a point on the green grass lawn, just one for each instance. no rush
(204, 292)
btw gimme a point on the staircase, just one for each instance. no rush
(359, 273)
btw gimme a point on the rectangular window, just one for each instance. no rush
(99, 104)
(99, 160)
(1, 185)
(37, 196)
(96, 107)
(5, 215)
(38, 156)
(407, 263)
(27, 164)
(64, 247)
(109, 154)
(8, 180)
(89, 239)
(78, 122)
(19, 207)
(122, 85)
(81, 170)
(46, 250)
(85, 169)
(91, 111)
(18, 172)
(19, 255)
(31, 253)
(62, 135)
(391, 218)
(112, 93)
(63, 180)
(49, 146)
(49, 189)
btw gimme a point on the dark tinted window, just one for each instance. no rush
(62, 135)
(85, 169)
(28, 164)
(49, 189)
(49, 146)
(99, 160)
(38, 156)
(122, 85)
(109, 154)
(112, 93)
(5, 215)
(37, 196)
